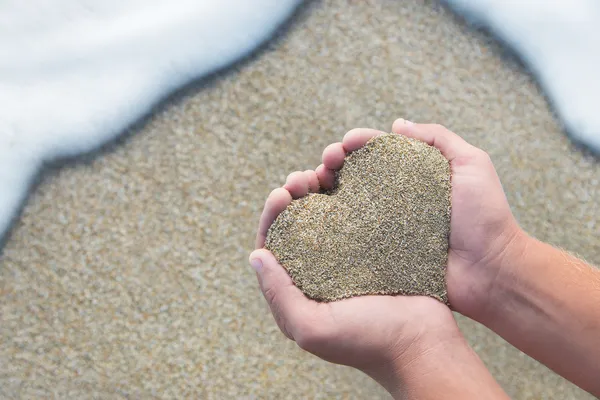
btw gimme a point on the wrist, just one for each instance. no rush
(405, 366)
(500, 272)
(440, 367)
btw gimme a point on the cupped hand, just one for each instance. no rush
(482, 228)
(371, 333)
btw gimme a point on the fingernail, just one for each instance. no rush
(406, 122)
(256, 263)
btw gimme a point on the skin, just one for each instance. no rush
(524, 290)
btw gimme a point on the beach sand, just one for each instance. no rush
(127, 275)
(383, 228)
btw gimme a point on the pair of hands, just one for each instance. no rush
(380, 335)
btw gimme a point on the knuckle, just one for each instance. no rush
(270, 295)
(283, 327)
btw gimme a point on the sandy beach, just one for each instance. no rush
(126, 275)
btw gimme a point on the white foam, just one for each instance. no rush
(75, 73)
(560, 42)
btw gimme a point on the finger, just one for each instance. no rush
(277, 201)
(297, 184)
(448, 143)
(288, 304)
(326, 177)
(313, 180)
(333, 156)
(357, 138)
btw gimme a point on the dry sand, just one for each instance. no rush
(128, 275)
(383, 229)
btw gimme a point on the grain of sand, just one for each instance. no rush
(127, 276)
(383, 229)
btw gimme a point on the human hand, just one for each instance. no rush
(542, 300)
(483, 231)
(379, 335)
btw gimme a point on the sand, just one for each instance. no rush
(128, 276)
(383, 229)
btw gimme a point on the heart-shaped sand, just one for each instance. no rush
(383, 229)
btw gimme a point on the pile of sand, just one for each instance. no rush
(383, 229)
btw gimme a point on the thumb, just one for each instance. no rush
(447, 142)
(288, 304)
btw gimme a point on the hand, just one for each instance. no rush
(483, 230)
(376, 334)
(542, 300)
